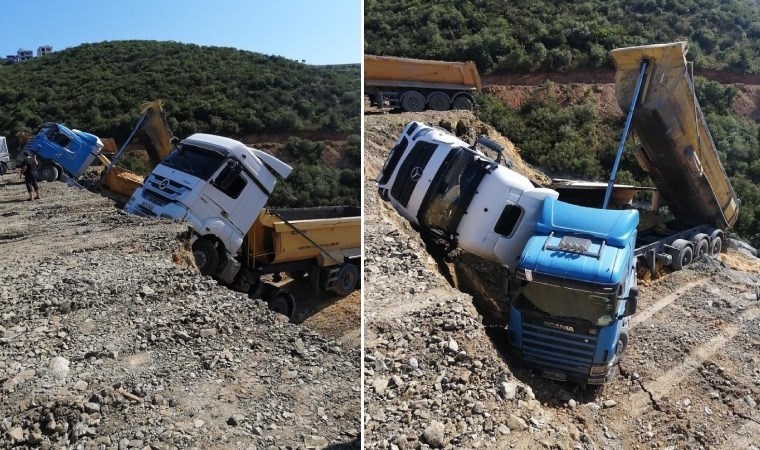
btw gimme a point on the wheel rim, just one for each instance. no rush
(348, 281)
(438, 102)
(686, 258)
(716, 246)
(462, 103)
(201, 260)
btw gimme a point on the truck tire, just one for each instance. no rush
(412, 101)
(282, 302)
(463, 102)
(206, 256)
(622, 344)
(348, 276)
(438, 101)
(48, 172)
(701, 248)
(3, 168)
(684, 254)
(716, 242)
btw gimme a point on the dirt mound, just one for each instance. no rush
(106, 342)
(600, 95)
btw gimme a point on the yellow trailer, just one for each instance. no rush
(323, 243)
(417, 84)
(677, 149)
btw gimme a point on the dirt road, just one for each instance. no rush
(108, 339)
(438, 374)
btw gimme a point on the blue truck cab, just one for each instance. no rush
(62, 151)
(573, 292)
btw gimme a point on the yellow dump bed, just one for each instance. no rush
(677, 149)
(336, 230)
(388, 70)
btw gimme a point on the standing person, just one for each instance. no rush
(29, 171)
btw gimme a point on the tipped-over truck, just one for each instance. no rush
(5, 157)
(416, 84)
(63, 153)
(219, 186)
(571, 282)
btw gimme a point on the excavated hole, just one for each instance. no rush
(483, 281)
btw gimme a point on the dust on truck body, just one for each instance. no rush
(219, 186)
(678, 153)
(415, 84)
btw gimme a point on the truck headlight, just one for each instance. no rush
(600, 369)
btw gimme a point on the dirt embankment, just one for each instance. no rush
(109, 339)
(598, 86)
(437, 377)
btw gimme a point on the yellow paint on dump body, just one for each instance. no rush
(270, 240)
(677, 149)
(463, 74)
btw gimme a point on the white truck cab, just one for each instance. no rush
(441, 184)
(215, 184)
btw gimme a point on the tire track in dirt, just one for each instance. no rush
(655, 391)
(662, 303)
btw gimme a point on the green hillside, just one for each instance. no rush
(98, 87)
(529, 35)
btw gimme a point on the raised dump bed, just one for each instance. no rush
(677, 149)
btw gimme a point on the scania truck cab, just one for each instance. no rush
(218, 186)
(573, 292)
(448, 188)
(62, 151)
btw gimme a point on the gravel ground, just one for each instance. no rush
(437, 374)
(109, 339)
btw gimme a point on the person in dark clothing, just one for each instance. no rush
(29, 172)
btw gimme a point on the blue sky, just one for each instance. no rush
(318, 31)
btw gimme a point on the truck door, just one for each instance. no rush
(229, 192)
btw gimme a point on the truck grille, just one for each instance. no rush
(557, 350)
(155, 197)
(404, 184)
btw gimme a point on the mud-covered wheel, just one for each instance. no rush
(716, 245)
(348, 277)
(206, 256)
(412, 101)
(622, 345)
(684, 254)
(48, 172)
(463, 102)
(3, 168)
(438, 101)
(282, 302)
(701, 248)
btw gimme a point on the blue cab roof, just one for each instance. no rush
(610, 232)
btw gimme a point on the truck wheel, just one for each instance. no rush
(48, 172)
(684, 256)
(206, 256)
(282, 302)
(3, 168)
(438, 101)
(701, 247)
(622, 344)
(463, 102)
(716, 246)
(348, 276)
(412, 101)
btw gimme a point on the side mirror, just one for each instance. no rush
(490, 144)
(632, 303)
(174, 141)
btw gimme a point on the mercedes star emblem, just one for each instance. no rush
(416, 173)
(162, 185)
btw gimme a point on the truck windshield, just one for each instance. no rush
(595, 308)
(196, 161)
(453, 193)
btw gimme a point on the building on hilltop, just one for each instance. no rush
(43, 50)
(11, 59)
(24, 55)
